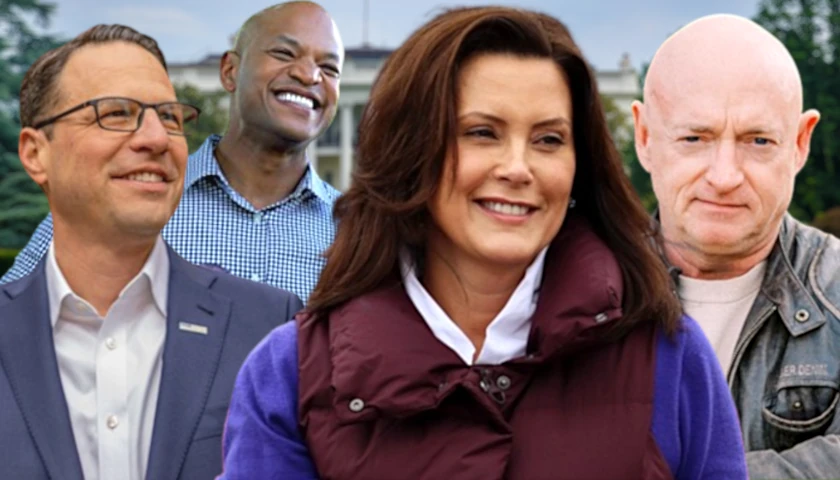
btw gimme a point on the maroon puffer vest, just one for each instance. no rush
(382, 399)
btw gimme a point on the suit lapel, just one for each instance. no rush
(27, 355)
(190, 360)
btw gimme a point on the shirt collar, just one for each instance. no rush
(507, 334)
(57, 287)
(311, 182)
(156, 269)
(203, 163)
(155, 272)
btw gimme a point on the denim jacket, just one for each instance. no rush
(785, 375)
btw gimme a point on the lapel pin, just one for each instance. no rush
(192, 328)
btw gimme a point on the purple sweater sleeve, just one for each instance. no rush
(262, 438)
(695, 422)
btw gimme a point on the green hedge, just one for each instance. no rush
(7, 258)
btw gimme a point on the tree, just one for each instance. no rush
(829, 221)
(22, 204)
(618, 122)
(810, 29)
(638, 176)
(213, 117)
(621, 128)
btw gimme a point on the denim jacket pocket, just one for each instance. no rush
(798, 413)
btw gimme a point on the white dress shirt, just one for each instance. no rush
(507, 334)
(110, 367)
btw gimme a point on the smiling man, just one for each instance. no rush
(117, 357)
(253, 205)
(723, 134)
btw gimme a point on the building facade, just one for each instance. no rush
(332, 154)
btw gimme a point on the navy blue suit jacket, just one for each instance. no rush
(36, 437)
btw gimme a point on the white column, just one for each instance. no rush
(312, 154)
(345, 161)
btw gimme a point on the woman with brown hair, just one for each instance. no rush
(493, 305)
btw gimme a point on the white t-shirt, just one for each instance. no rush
(721, 307)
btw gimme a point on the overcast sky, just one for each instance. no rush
(187, 30)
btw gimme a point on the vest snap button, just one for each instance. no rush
(601, 317)
(356, 405)
(503, 382)
(802, 315)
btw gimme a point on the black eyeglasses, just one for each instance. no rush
(120, 114)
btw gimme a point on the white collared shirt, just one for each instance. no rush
(507, 334)
(110, 367)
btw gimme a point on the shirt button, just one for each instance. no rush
(503, 382)
(110, 343)
(258, 218)
(112, 422)
(357, 405)
(802, 315)
(256, 277)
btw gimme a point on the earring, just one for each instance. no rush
(572, 203)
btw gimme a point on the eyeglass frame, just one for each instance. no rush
(95, 104)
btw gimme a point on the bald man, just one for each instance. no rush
(253, 205)
(723, 134)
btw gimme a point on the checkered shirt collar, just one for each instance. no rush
(202, 163)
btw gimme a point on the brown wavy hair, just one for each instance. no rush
(409, 124)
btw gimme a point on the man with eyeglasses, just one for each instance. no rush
(117, 356)
(252, 203)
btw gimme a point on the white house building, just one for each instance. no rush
(332, 154)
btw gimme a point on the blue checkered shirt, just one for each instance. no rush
(281, 245)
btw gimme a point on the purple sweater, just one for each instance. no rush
(694, 419)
